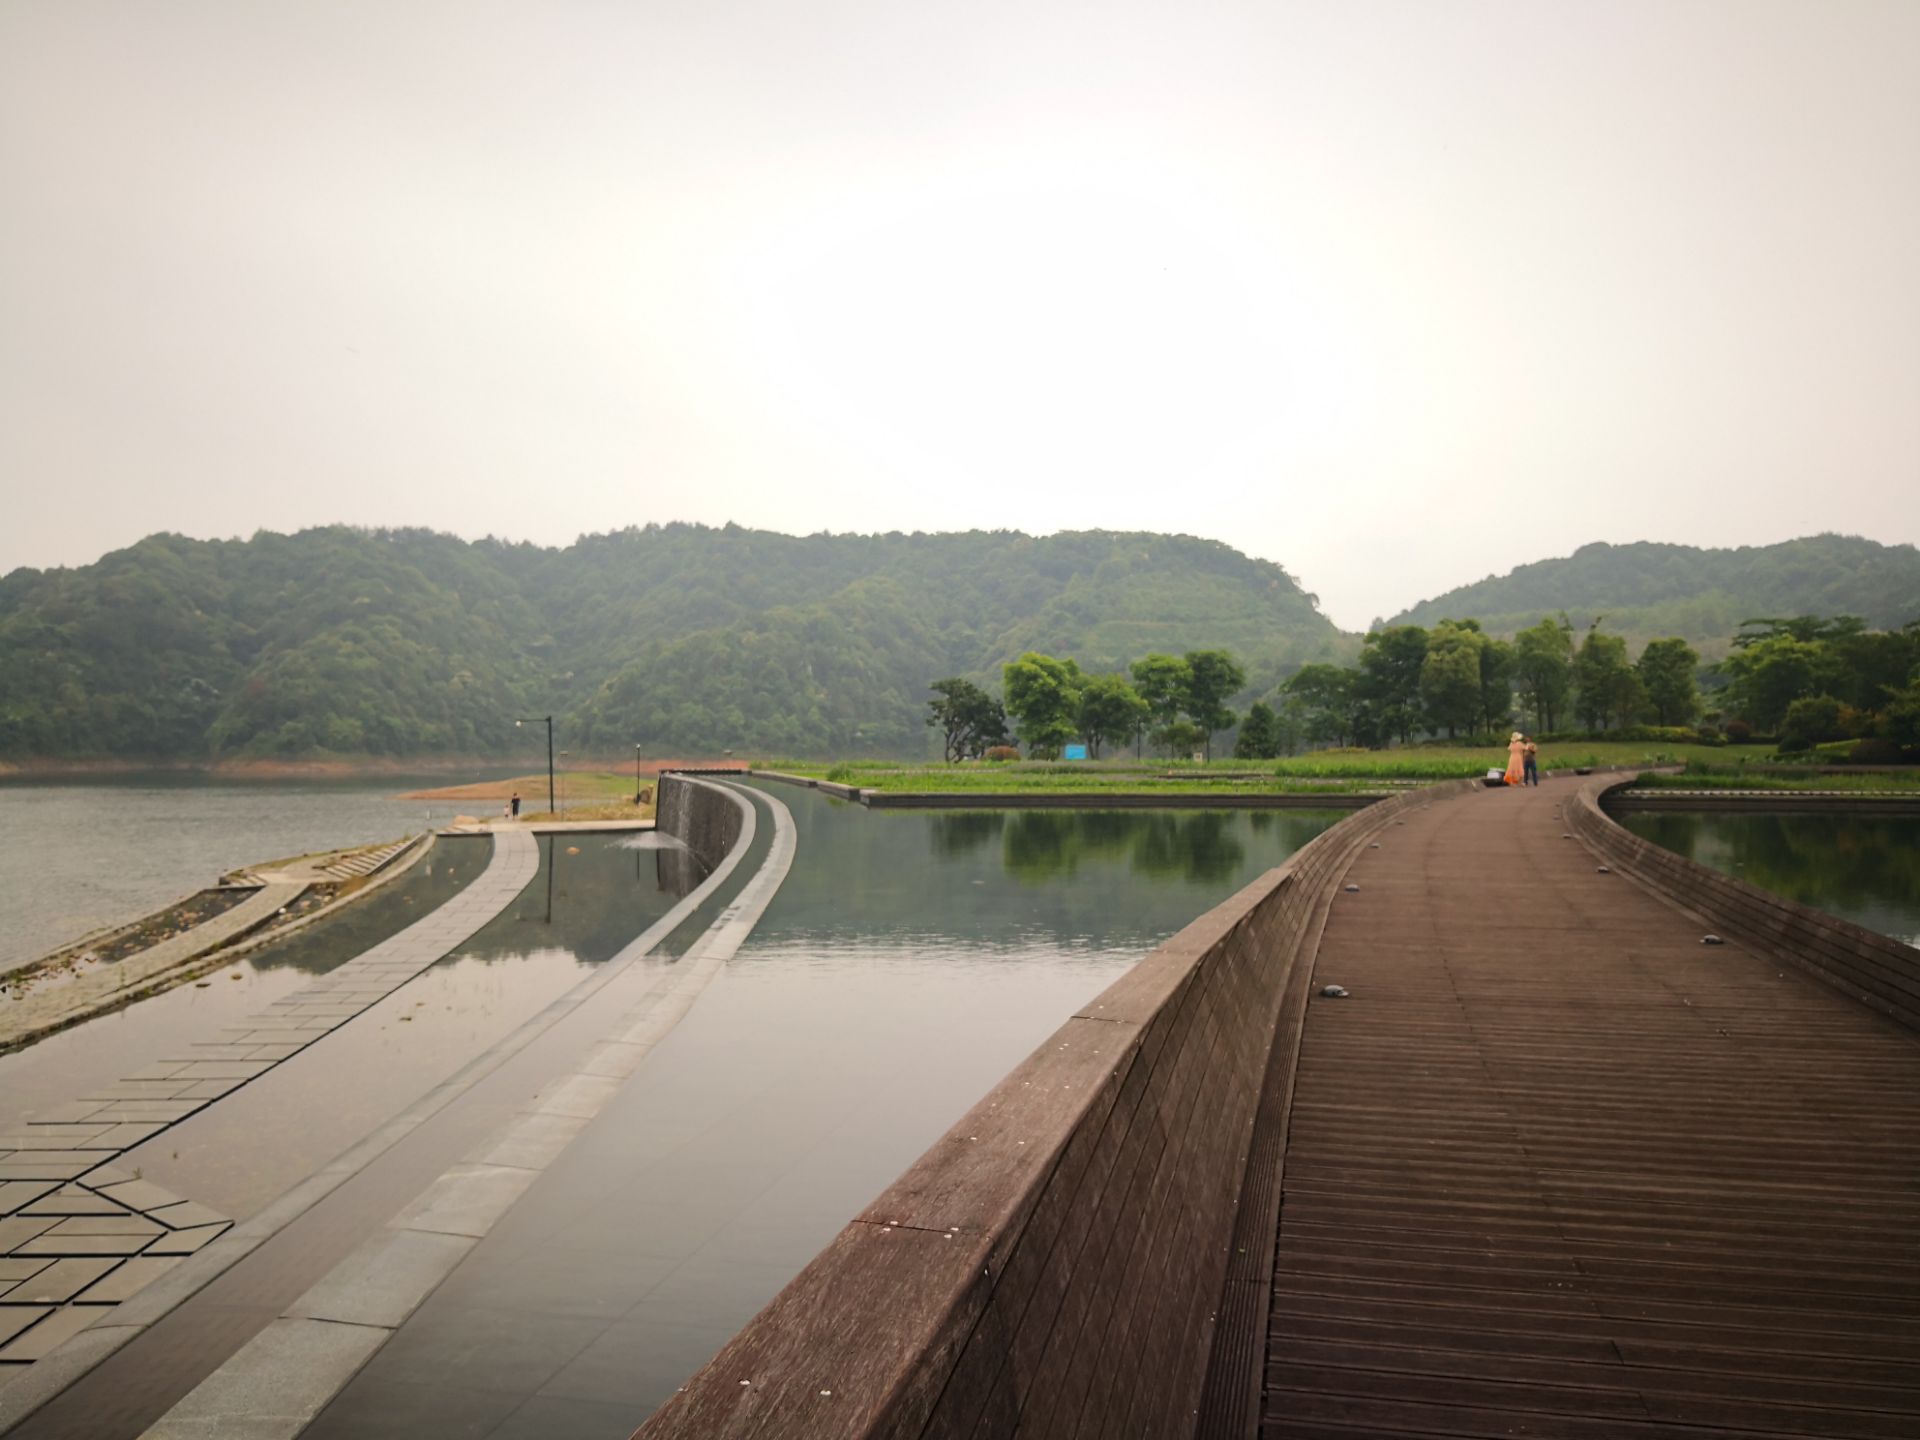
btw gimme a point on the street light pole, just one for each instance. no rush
(636, 774)
(547, 720)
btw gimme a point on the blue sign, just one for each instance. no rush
(1074, 752)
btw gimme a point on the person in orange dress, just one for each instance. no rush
(1516, 758)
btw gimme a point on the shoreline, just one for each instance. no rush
(365, 767)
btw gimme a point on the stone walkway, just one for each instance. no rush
(58, 1168)
(51, 1008)
(274, 1386)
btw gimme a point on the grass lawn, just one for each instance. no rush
(1319, 772)
(1720, 777)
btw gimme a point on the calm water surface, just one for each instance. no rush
(1862, 868)
(77, 856)
(591, 896)
(910, 961)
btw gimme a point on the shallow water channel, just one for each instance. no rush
(1863, 868)
(909, 962)
(591, 895)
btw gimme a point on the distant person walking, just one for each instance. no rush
(1516, 753)
(513, 806)
(1531, 754)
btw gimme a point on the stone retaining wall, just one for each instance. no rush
(699, 816)
(1055, 1264)
(1875, 969)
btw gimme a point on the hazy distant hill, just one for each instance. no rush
(678, 638)
(1647, 590)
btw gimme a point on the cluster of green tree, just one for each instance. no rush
(1811, 680)
(1180, 701)
(1807, 679)
(1455, 677)
(680, 638)
(1648, 591)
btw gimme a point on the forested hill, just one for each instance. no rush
(680, 638)
(1647, 590)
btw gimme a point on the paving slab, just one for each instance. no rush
(185, 1242)
(467, 1200)
(60, 1281)
(15, 1318)
(274, 1384)
(187, 1215)
(384, 1281)
(17, 1230)
(128, 1280)
(108, 1225)
(15, 1194)
(140, 1195)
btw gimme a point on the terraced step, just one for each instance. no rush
(365, 862)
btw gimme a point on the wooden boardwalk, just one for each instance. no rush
(1557, 1169)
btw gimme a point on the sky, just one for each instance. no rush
(1398, 295)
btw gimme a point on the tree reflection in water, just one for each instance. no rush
(1863, 868)
(1039, 846)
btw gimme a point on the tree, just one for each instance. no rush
(1496, 685)
(1606, 688)
(1809, 629)
(970, 719)
(1450, 676)
(1324, 696)
(1110, 710)
(1259, 737)
(1810, 720)
(1667, 673)
(1213, 677)
(1543, 663)
(1768, 674)
(1043, 697)
(1162, 681)
(1390, 662)
(1180, 738)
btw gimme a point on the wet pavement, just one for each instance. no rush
(589, 896)
(907, 964)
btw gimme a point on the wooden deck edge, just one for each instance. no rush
(1231, 1397)
(1874, 969)
(1062, 1252)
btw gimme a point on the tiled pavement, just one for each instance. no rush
(106, 1232)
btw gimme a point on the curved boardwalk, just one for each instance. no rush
(1558, 1169)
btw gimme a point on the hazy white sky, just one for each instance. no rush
(1395, 294)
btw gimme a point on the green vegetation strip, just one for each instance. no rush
(1324, 772)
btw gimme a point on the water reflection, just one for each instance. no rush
(1039, 847)
(1863, 868)
(585, 896)
(1042, 846)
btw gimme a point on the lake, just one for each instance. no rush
(79, 855)
(1863, 868)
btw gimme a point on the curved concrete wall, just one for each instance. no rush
(1878, 971)
(698, 815)
(1055, 1263)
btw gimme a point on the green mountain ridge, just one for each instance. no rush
(686, 639)
(677, 638)
(1648, 590)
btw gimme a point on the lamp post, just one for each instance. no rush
(547, 720)
(636, 774)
